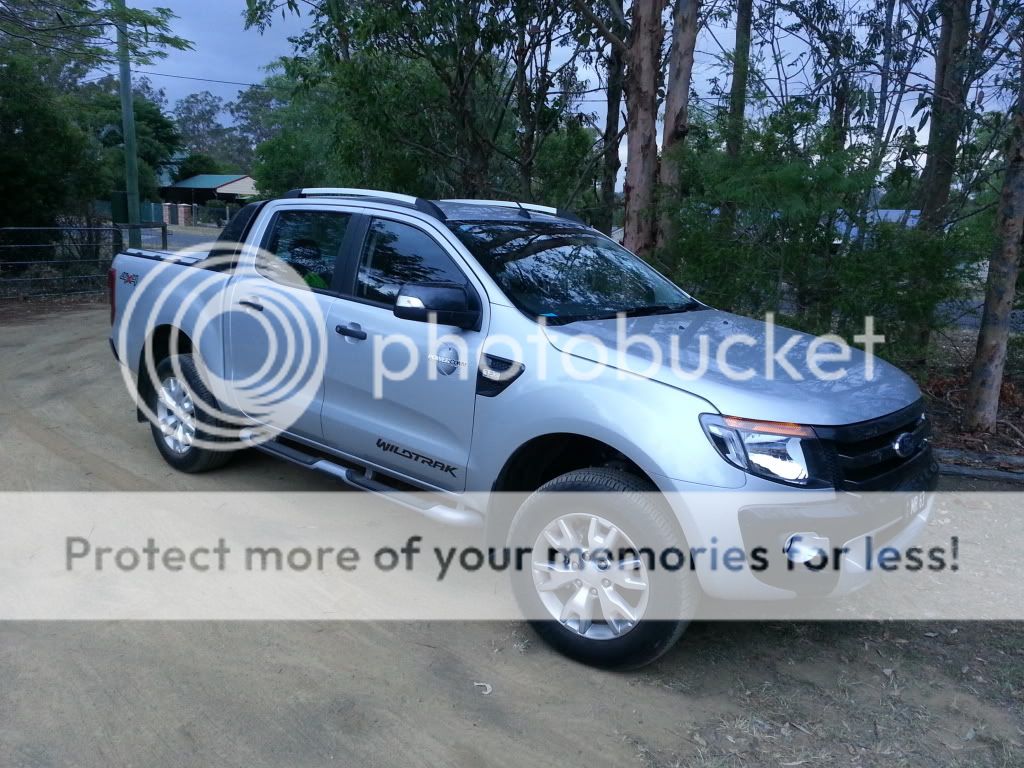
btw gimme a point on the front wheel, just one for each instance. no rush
(591, 586)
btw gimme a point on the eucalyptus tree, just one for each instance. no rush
(506, 75)
(1004, 267)
(970, 52)
(685, 25)
(641, 51)
(612, 61)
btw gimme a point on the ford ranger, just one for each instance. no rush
(430, 349)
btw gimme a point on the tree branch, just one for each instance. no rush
(602, 28)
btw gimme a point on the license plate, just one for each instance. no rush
(916, 504)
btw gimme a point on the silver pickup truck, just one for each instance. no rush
(457, 346)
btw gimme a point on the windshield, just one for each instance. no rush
(565, 273)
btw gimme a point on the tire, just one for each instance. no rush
(193, 459)
(633, 505)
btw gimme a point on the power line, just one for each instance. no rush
(96, 77)
(176, 77)
(200, 79)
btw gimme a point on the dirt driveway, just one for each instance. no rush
(384, 694)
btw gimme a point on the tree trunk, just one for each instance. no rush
(473, 154)
(737, 104)
(740, 75)
(878, 138)
(1003, 269)
(610, 166)
(949, 99)
(643, 65)
(526, 122)
(839, 118)
(677, 103)
(948, 105)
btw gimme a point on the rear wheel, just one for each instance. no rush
(181, 429)
(590, 587)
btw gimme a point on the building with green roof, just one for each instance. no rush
(228, 187)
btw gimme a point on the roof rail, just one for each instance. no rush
(562, 213)
(420, 204)
(349, 192)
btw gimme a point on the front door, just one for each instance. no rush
(399, 393)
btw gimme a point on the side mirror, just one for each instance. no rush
(444, 303)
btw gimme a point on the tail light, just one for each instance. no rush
(112, 292)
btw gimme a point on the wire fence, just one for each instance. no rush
(152, 234)
(40, 262)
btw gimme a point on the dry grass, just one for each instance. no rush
(846, 694)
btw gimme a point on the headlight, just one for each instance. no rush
(783, 452)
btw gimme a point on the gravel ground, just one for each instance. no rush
(388, 694)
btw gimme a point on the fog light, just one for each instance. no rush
(804, 547)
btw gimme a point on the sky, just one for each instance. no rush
(222, 48)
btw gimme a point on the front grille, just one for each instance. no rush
(864, 455)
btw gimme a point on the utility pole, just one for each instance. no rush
(131, 162)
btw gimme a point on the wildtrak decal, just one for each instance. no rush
(405, 453)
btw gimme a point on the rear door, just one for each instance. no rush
(398, 393)
(278, 302)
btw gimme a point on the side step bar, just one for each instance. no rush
(366, 480)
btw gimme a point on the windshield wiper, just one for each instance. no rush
(650, 309)
(661, 309)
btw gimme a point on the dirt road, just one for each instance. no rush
(385, 694)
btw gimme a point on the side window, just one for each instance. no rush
(308, 242)
(232, 238)
(395, 254)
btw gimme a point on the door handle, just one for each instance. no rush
(354, 333)
(252, 305)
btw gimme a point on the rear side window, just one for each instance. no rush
(307, 241)
(229, 243)
(395, 254)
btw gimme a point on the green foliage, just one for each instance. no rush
(97, 108)
(391, 129)
(562, 163)
(195, 164)
(381, 121)
(770, 232)
(296, 152)
(1015, 356)
(368, 123)
(60, 143)
(50, 165)
(286, 162)
(253, 111)
(206, 130)
(438, 99)
(197, 118)
(81, 33)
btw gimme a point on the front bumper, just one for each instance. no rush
(854, 526)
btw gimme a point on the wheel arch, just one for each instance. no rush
(162, 342)
(542, 458)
